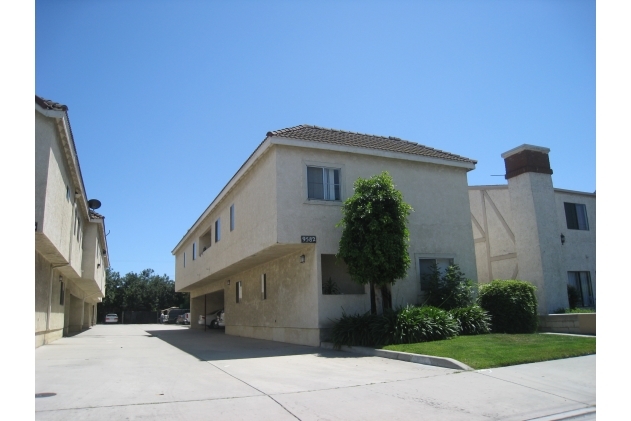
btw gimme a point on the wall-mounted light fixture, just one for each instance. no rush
(562, 239)
(104, 252)
(61, 278)
(302, 258)
(228, 281)
(98, 265)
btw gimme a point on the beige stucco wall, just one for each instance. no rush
(579, 251)
(494, 218)
(272, 212)
(59, 239)
(254, 200)
(54, 211)
(439, 225)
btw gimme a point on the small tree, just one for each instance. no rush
(449, 290)
(375, 238)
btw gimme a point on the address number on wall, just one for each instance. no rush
(307, 238)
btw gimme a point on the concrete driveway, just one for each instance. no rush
(146, 372)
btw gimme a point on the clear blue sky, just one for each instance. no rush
(167, 98)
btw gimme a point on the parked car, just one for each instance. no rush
(174, 313)
(111, 318)
(216, 320)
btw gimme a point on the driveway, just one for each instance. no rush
(145, 372)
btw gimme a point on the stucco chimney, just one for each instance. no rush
(536, 229)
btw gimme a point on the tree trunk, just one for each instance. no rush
(387, 296)
(373, 304)
(378, 299)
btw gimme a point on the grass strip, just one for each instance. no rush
(501, 350)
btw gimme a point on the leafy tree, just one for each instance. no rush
(375, 238)
(449, 290)
(141, 291)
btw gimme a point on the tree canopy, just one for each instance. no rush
(141, 291)
(375, 239)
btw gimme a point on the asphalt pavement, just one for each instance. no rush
(146, 372)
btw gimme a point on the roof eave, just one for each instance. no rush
(369, 151)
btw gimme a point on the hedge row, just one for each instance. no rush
(503, 307)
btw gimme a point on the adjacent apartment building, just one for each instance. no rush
(532, 231)
(70, 244)
(264, 249)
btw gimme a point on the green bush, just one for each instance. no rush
(511, 304)
(353, 330)
(472, 320)
(449, 290)
(405, 325)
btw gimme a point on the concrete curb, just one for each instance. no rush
(403, 356)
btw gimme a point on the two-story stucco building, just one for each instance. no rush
(531, 231)
(70, 246)
(265, 247)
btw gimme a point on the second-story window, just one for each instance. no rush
(323, 183)
(576, 216)
(184, 259)
(217, 230)
(193, 251)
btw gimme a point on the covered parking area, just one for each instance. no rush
(204, 305)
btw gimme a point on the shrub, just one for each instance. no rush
(448, 291)
(353, 330)
(511, 304)
(573, 296)
(472, 320)
(405, 325)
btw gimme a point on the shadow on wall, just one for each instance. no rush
(215, 345)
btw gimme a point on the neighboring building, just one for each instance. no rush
(531, 231)
(70, 246)
(265, 247)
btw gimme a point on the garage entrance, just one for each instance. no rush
(204, 307)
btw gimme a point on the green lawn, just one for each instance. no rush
(500, 350)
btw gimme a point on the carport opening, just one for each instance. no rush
(206, 306)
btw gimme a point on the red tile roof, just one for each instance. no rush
(344, 138)
(50, 105)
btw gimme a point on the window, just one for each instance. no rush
(239, 292)
(217, 232)
(67, 192)
(264, 287)
(576, 216)
(323, 183)
(193, 251)
(232, 218)
(205, 241)
(426, 266)
(184, 260)
(583, 283)
(62, 293)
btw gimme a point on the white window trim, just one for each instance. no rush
(305, 184)
(419, 256)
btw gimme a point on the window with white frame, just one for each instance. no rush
(576, 216)
(217, 230)
(323, 183)
(426, 268)
(193, 251)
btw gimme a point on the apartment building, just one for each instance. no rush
(531, 231)
(70, 243)
(264, 249)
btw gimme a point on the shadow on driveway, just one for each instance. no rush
(213, 345)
